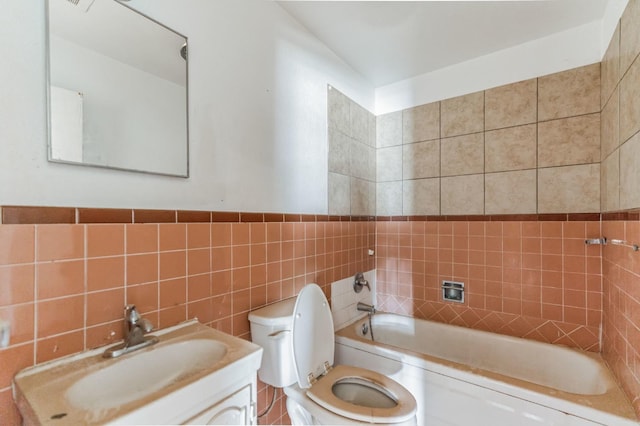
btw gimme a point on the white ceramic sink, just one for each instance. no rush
(138, 375)
(168, 382)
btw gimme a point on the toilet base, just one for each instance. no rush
(303, 411)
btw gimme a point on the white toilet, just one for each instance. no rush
(298, 340)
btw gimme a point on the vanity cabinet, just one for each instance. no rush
(193, 375)
(238, 408)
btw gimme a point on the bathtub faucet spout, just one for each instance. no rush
(370, 309)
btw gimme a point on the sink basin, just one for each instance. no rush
(135, 377)
(167, 383)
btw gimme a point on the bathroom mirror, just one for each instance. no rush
(117, 89)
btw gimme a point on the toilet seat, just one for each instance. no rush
(322, 394)
(313, 353)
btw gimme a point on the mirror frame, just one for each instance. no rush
(47, 48)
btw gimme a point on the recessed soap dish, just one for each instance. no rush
(453, 291)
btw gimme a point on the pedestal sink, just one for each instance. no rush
(191, 369)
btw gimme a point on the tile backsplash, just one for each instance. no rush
(63, 287)
(532, 279)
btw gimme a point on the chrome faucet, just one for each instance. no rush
(370, 310)
(359, 281)
(364, 307)
(135, 328)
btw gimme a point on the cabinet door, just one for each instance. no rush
(236, 409)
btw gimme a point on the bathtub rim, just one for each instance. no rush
(600, 408)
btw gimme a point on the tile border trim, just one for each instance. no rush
(33, 215)
(544, 217)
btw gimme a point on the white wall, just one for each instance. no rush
(612, 15)
(557, 52)
(573, 48)
(258, 84)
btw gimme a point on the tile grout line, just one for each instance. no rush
(85, 283)
(36, 304)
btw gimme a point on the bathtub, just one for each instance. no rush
(466, 377)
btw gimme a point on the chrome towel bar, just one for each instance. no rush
(603, 241)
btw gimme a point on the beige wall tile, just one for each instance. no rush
(359, 163)
(389, 164)
(510, 192)
(630, 102)
(351, 156)
(421, 123)
(629, 35)
(462, 195)
(630, 173)
(567, 141)
(389, 129)
(569, 189)
(511, 105)
(371, 171)
(462, 155)
(339, 151)
(421, 160)
(421, 197)
(339, 194)
(371, 206)
(610, 67)
(513, 148)
(338, 110)
(569, 93)
(372, 130)
(389, 198)
(610, 125)
(362, 197)
(610, 182)
(359, 122)
(462, 115)
(372, 198)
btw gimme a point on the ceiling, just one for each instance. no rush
(389, 41)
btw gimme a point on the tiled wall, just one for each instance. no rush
(621, 190)
(63, 286)
(532, 279)
(352, 156)
(344, 299)
(527, 147)
(621, 115)
(621, 306)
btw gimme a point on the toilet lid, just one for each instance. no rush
(312, 334)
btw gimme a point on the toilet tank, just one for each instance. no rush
(271, 329)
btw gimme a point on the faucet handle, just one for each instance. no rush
(131, 315)
(146, 325)
(359, 282)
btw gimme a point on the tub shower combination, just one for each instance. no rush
(461, 376)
